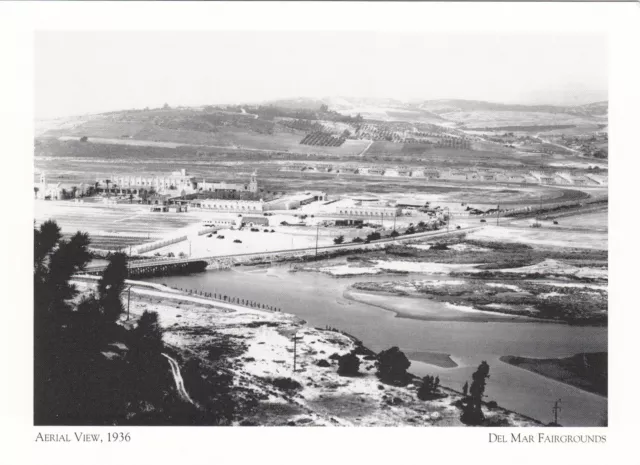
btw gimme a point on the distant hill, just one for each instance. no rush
(453, 105)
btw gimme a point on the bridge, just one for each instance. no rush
(227, 261)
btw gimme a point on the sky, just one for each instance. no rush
(84, 72)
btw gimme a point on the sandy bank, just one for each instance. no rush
(584, 371)
(419, 308)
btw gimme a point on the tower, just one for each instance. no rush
(253, 185)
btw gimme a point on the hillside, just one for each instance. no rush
(351, 128)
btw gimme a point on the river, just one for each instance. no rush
(318, 299)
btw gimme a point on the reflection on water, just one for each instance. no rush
(319, 300)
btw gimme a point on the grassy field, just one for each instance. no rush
(544, 236)
(597, 221)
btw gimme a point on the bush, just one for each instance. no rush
(286, 384)
(410, 230)
(392, 366)
(374, 236)
(348, 364)
(338, 240)
(323, 363)
(430, 388)
(394, 233)
(357, 239)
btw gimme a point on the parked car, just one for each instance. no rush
(483, 221)
(209, 235)
(237, 241)
(220, 237)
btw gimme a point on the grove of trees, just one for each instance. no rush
(89, 369)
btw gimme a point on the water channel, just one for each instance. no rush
(319, 299)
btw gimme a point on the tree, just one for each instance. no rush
(55, 262)
(111, 286)
(430, 388)
(465, 389)
(338, 240)
(107, 182)
(166, 107)
(472, 407)
(392, 366)
(348, 364)
(410, 230)
(394, 233)
(374, 236)
(35, 191)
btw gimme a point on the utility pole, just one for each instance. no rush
(395, 215)
(556, 409)
(128, 301)
(295, 351)
(317, 233)
(498, 218)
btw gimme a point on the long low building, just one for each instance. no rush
(289, 202)
(350, 208)
(229, 205)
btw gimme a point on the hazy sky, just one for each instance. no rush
(86, 72)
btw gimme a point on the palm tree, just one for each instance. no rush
(107, 182)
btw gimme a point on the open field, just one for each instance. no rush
(544, 236)
(597, 221)
(125, 220)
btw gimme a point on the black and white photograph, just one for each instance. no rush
(268, 241)
(302, 233)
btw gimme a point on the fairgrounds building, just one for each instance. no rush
(228, 205)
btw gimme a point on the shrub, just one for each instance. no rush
(357, 239)
(430, 388)
(286, 384)
(394, 233)
(374, 236)
(338, 240)
(323, 363)
(348, 364)
(392, 366)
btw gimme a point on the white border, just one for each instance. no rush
(298, 445)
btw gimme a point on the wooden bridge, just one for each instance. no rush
(139, 267)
